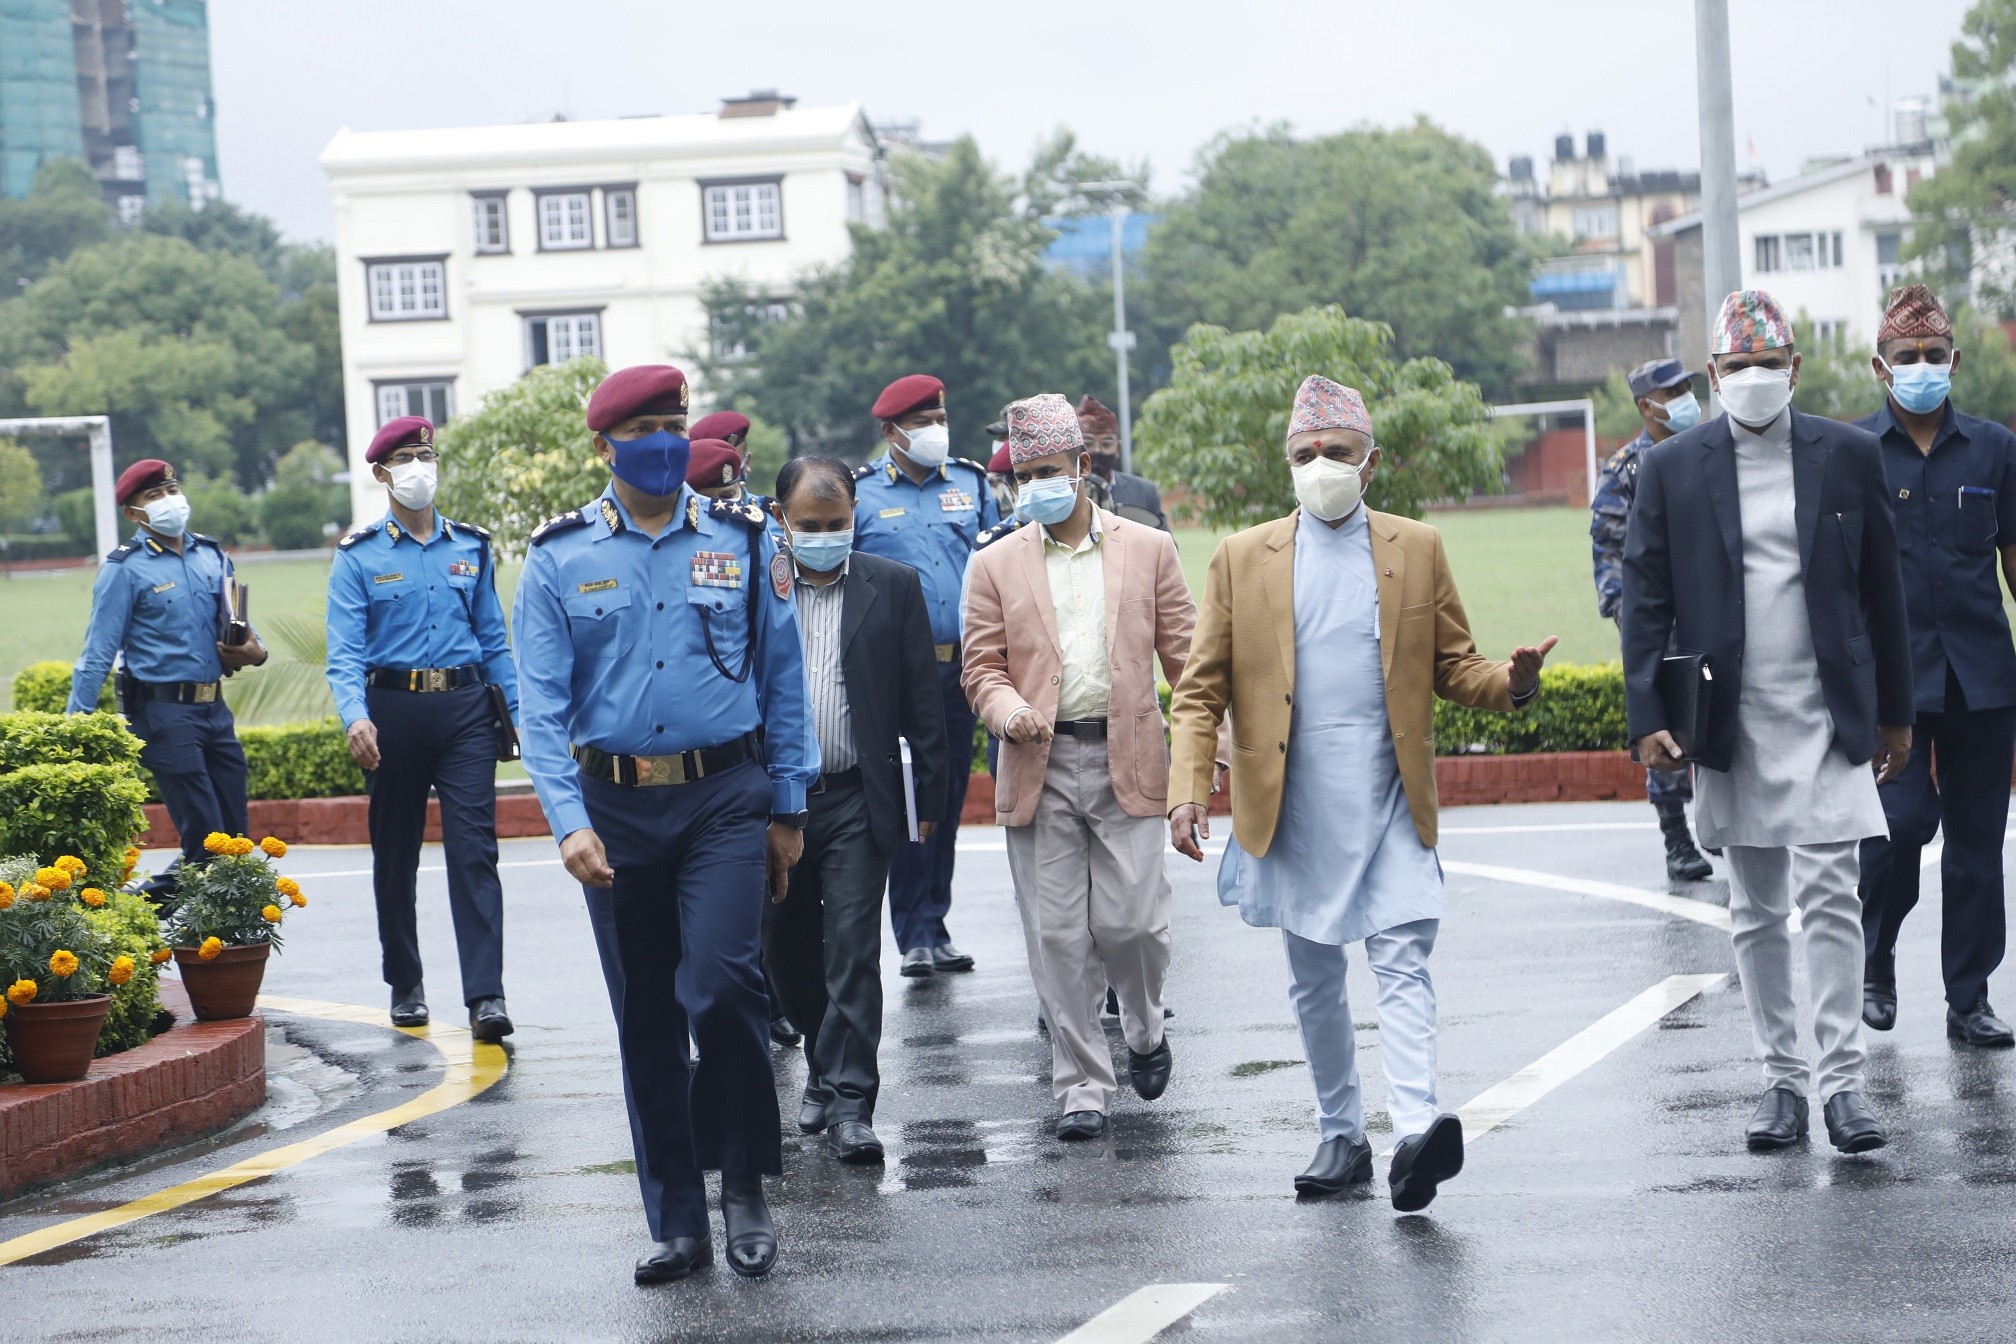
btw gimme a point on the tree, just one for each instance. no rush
(955, 285)
(305, 498)
(1220, 426)
(64, 210)
(1841, 384)
(20, 484)
(1402, 226)
(524, 455)
(1965, 230)
(1050, 186)
(768, 451)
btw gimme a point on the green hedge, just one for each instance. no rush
(300, 760)
(92, 811)
(127, 919)
(1581, 708)
(46, 687)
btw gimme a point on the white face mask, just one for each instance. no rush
(928, 445)
(413, 483)
(168, 515)
(1755, 396)
(1328, 488)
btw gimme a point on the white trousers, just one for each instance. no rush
(1763, 884)
(1399, 958)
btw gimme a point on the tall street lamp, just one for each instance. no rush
(1118, 198)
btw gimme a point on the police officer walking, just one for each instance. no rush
(1667, 404)
(163, 603)
(918, 505)
(668, 732)
(418, 659)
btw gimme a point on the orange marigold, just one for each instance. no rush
(241, 847)
(298, 901)
(6, 895)
(120, 971)
(132, 854)
(217, 842)
(3, 1005)
(34, 891)
(52, 877)
(271, 914)
(159, 956)
(210, 949)
(21, 991)
(72, 865)
(62, 963)
(92, 897)
(274, 847)
(287, 886)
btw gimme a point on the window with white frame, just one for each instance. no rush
(1596, 221)
(1766, 258)
(430, 398)
(564, 223)
(1798, 251)
(407, 289)
(857, 198)
(492, 228)
(555, 338)
(739, 212)
(619, 216)
(729, 345)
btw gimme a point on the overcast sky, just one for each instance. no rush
(1154, 80)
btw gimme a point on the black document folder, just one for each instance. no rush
(1686, 686)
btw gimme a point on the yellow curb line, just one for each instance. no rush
(472, 1067)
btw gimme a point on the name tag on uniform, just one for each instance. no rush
(461, 569)
(164, 587)
(387, 578)
(891, 513)
(717, 569)
(955, 500)
(599, 586)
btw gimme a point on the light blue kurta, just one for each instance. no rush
(1346, 861)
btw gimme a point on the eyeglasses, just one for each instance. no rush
(401, 459)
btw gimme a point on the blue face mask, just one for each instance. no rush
(822, 552)
(654, 464)
(1920, 388)
(1683, 412)
(1049, 500)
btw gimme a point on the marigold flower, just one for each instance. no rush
(240, 847)
(132, 854)
(217, 842)
(21, 991)
(274, 846)
(210, 949)
(3, 1006)
(6, 895)
(287, 886)
(271, 914)
(298, 901)
(120, 971)
(56, 879)
(72, 865)
(159, 956)
(34, 891)
(62, 964)
(92, 897)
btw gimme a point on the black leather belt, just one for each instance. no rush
(1082, 727)
(424, 678)
(181, 692)
(849, 778)
(657, 771)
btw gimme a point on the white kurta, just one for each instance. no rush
(1789, 782)
(1346, 861)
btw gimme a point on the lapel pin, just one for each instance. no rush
(1389, 571)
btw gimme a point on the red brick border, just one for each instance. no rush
(193, 1078)
(344, 821)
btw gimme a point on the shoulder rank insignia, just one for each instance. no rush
(480, 533)
(996, 532)
(202, 540)
(118, 554)
(780, 575)
(356, 535)
(737, 510)
(552, 527)
(863, 473)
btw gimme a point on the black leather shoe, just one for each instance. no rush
(811, 1115)
(410, 1008)
(1339, 1163)
(917, 962)
(784, 1032)
(1080, 1125)
(1423, 1161)
(1851, 1125)
(1879, 1006)
(489, 1020)
(852, 1141)
(752, 1237)
(1979, 1026)
(950, 958)
(1779, 1121)
(1683, 862)
(1150, 1072)
(674, 1259)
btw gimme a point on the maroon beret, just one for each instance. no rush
(145, 474)
(912, 392)
(1000, 464)
(719, 425)
(406, 429)
(712, 462)
(642, 389)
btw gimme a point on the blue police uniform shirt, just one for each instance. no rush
(1955, 509)
(398, 601)
(932, 528)
(619, 634)
(163, 610)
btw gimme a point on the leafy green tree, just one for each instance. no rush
(305, 498)
(768, 450)
(64, 210)
(1220, 426)
(524, 455)
(217, 508)
(1616, 409)
(1965, 229)
(1050, 186)
(20, 484)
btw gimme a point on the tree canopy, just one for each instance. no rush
(64, 210)
(523, 455)
(1965, 229)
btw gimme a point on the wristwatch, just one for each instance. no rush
(796, 820)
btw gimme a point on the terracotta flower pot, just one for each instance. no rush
(52, 1042)
(227, 986)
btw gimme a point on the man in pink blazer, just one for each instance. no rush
(1065, 618)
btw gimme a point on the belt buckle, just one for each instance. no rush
(653, 771)
(206, 693)
(434, 679)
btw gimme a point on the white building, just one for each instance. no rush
(467, 256)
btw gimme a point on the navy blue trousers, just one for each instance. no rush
(443, 741)
(920, 875)
(680, 936)
(199, 767)
(1970, 799)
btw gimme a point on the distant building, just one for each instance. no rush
(122, 84)
(1605, 210)
(466, 257)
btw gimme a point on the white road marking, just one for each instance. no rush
(1144, 1314)
(1552, 826)
(1679, 906)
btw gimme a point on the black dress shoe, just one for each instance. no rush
(950, 958)
(1339, 1163)
(674, 1259)
(752, 1237)
(1979, 1026)
(1150, 1072)
(1879, 1006)
(811, 1115)
(1423, 1161)
(1080, 1125)
(489, 1020)
(784, 1032)
(917, 962)
(410, 1008)
(852, 1141)
(1779, 1121)
(1851, 1125)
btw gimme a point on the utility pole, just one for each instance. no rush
(1721, 250)
(1118, 196)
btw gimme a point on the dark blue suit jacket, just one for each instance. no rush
(1683, 579)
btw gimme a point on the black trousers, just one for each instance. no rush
(920, 875)
(824, 948)
(680, 938)
(199, 766)
(443, 741)
(1970, 800)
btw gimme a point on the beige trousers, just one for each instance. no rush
(1095, 909)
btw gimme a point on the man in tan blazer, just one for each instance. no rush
(1333, 773)
(1065, 618)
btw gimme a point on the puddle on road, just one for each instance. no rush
(1255, 1068)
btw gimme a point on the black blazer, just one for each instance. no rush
(1683, 579)
(891, 670)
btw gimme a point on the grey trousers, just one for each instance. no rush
(1095, 910)
(1399, 961)
(1763, 885)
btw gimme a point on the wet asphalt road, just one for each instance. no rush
(1622, 1205)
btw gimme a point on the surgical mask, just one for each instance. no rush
(929, 445)
(1328, 488)
(1683, 412)
(1049, 500)
(168, 515)
(654, 464)
(1755, 396)
(1920, 388)
(822, 552)
(413, 483)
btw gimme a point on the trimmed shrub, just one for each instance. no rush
(92, 811)
(29, 737)
(127, 920)
(45, 686)
(1581, 708)
(300, 760)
